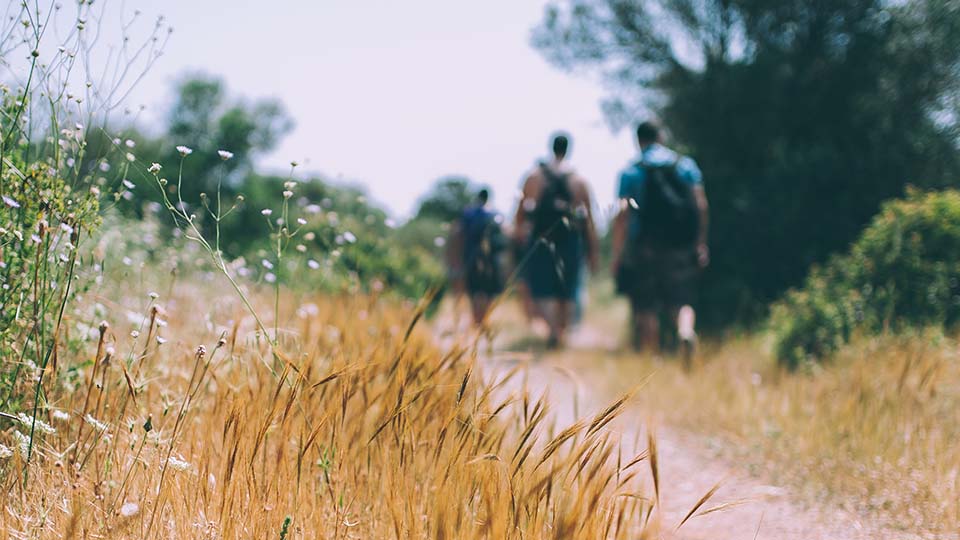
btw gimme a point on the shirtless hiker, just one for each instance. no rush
(554, 220)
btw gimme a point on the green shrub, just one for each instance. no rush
(903, 272)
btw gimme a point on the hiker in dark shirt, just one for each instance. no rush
(555, 221)
(660, 239)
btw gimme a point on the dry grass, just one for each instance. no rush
(876, 431)
(366, 431)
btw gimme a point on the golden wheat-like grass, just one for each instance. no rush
(875, 430)
(367, 430)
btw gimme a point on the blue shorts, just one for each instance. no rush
(553, 269)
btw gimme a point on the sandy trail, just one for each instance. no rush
(691, 463)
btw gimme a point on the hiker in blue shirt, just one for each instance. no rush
(479, 243)
(660, 239)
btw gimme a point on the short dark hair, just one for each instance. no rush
(561, 144)
(648, 132)
(483, 195)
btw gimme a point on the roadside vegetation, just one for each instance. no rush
(192, 348)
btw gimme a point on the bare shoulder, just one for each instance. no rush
(580, 187)
(534, 182)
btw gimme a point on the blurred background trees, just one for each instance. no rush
(804, 115)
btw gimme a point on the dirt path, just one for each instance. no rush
(691, 464)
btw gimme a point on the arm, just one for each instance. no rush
(693, 174)
(590, 231)
(618, 233)
(454, 255)
(703, 207)
(520, 230)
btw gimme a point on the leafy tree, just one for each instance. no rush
(206, 120)
(446, 199)
(804, 115)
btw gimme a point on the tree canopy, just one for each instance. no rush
(446, 199)
(804, 115)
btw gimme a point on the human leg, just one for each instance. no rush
(646, 329)
(684, 319)
(480, 304)
(549, 309)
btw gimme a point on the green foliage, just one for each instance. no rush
(446, 199)
(42, 217)
(804, 116)
(903, 272)
(205, 119)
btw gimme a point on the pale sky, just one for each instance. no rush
(393, 94)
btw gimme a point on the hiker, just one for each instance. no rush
(660, 240)
(554, 220)
(478, 243)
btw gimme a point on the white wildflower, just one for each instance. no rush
(130, 143)
(184, 150)
(130, 157)
(10, 202)
(439, 241)
(153, 295)
(270, 277)
(266, 211)
(98, 425)
(41, 426)
(178, 464)
(287, 194)
(349, 237)
(129, 509)
(161, 340)
(301, 221)
(5, 452)
(301, 248)
(128, 184)
(66, 228)
(154, 168)
(104, 166)
(267, 264)
(23, 442)
(60, 416)
(224, 155)
(314, 265)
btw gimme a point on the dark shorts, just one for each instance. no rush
(660, 280)
(552, 270)
(484, 277)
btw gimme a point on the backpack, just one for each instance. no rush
(669, 217)
(483, 240)
(554, 215)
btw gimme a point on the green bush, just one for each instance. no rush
(903, 272)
